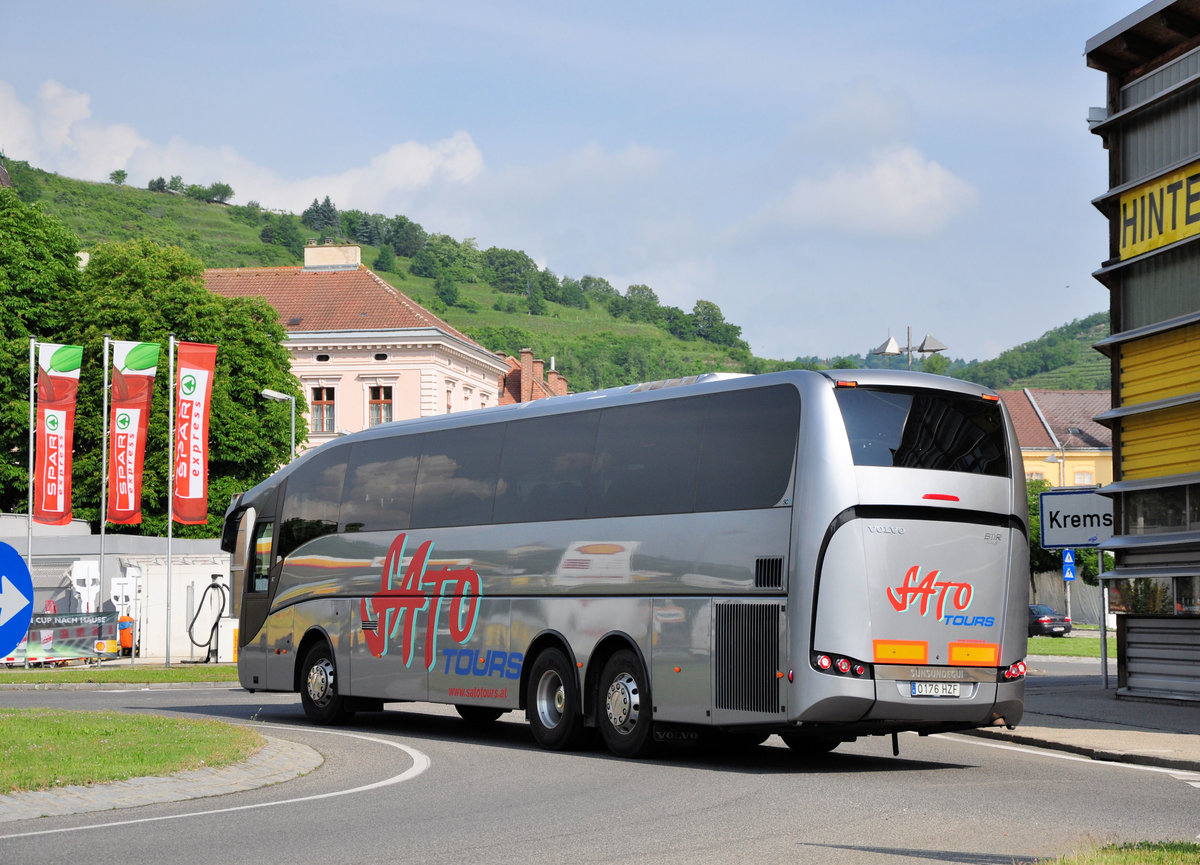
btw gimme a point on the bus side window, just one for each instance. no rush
(262, 557)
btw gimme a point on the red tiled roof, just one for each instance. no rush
(327, 300)
(1063, 410)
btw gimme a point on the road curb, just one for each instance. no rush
(1100, 754)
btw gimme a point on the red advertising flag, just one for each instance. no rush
(57, 384)
(133, 368)
(197, 362)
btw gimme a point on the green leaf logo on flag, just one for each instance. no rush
(142, 356)
(66, 358)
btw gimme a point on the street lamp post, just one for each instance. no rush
(891, 348)
(284, 397)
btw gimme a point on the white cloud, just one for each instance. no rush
(898, 193)
(18, 138)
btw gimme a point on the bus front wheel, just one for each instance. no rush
(552, 702)
(319, 688)
(623, 707)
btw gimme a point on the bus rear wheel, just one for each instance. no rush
(623, 708)
(319, 694)
(552, 702)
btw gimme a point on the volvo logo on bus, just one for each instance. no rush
(885, 530)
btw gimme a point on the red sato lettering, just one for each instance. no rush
(394, 609)
(903, 596)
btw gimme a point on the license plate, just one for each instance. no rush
(935, 689)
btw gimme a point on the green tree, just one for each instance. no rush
(39, 279)
(141, 291)
(118, 177)
(158, 184)
(643, 303)
(406, 237)
(221, 192)
(712, 326)
(508, 270)
(445, 288)
(386, 260)
(175, 184)
(937, 364)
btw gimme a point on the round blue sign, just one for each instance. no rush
(16, 599)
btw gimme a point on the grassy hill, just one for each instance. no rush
(590, 346)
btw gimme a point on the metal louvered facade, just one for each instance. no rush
(1150, 128)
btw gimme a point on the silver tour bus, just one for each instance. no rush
(818, 555)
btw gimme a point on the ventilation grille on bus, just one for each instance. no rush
(747, 657)
(768, 573)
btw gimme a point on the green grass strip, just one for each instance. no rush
(134, 674)
(42, 749)
(1141, 853)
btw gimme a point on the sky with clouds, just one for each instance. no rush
(827, 173)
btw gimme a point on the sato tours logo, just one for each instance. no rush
(391, 614)
(917, 591)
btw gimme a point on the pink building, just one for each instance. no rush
(364, 352)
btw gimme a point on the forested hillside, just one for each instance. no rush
(597, 334)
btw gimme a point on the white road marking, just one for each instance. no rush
(421, 762)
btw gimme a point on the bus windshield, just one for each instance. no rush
(921, 429)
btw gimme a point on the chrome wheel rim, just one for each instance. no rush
(623, 703)
(320, 683)
(550, 699)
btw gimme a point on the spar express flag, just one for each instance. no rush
(133, 367)
(189, 459)
(57, 384)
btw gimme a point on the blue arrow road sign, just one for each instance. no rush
(1068, 564)
(16, 599)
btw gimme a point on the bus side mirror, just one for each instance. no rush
(241, 560)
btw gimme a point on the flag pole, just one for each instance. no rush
(170, 478)
(32, 421)
(104, 473)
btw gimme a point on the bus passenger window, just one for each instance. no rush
(545, 467)
(379, 484)
(456, 479)
(262, 557)
(312, 499)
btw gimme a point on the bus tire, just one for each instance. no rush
(479, 714)
(623, 707)
(552, 702)
(808, 744)
(319, 695)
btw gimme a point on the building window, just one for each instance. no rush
(1083, 479)
(1035, 476)
(322, 410)
(381, 406)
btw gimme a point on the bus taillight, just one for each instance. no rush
(1016, 671)
(840, 666)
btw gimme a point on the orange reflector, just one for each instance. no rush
(847, 384)
(779, 674)
(974, 654)
(992, 397)
(677, 669)
(901, 651)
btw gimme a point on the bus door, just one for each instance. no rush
(251, 572)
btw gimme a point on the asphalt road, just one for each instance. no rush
(487, 794)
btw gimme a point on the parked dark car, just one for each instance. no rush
(1046, 621)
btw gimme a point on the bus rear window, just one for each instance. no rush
(921, 429)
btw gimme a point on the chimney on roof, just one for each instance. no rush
(526, 374)
(557, 384)
(332, 257)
